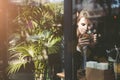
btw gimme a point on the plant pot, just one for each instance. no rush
(22, 76)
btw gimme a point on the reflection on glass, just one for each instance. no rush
(35, 39)
(92, 18)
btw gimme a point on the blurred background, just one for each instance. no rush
(106, 17)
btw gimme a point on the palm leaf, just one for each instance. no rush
(20, 49)
(53, 41)
(15, 66)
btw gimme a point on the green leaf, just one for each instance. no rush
(15, 66)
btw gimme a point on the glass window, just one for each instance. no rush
(97, 36)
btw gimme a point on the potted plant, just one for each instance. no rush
(38, 35)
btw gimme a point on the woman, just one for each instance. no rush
(85, 34)
(86, 40)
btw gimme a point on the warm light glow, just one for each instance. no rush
(115, 17)
(16, 1)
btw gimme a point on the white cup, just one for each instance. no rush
(102, 66)
(91, 64)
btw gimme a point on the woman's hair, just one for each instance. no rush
(83, 13)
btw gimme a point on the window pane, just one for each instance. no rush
(96, 18)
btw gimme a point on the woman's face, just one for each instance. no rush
(84, 25)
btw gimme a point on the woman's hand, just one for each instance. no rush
(95, 38)
(90, 40)
(83, 41)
